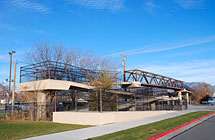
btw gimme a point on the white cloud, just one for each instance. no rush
(39, 7)
(150, 4)
(160, 48)
(40, 31)
(3, 57)
(190, 71)
(3, 73)
(7, 26)
(150, 7)
(186, 4)
(112, 5)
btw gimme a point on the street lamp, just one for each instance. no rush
(10, 53)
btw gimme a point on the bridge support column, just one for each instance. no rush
(187, 98)
(133, 100)
(41, 105)
(180, 98)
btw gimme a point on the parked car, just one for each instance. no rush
(211, 101)
(204, 102)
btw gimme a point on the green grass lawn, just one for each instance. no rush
(1, 116)
(149, 130)
(12, 130)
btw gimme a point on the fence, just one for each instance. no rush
(96, 100)
(27, 111)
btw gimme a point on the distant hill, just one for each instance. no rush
(193, 85)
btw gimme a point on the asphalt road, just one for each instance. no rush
(202, 131)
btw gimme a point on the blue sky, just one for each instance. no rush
(175, 38)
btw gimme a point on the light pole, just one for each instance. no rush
(14, 86)
(5, 109)
(10, 53)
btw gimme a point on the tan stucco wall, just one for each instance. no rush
(96, 118)
(85, 118)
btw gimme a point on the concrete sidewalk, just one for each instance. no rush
(90, 132)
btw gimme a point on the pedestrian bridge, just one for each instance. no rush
(49, 71)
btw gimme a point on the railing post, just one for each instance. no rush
(20, 75)
(55, 102)
(49, 68)
(117, 100)
(100, 100)
(124, 76)
(97, 105)
(5, 110)
(76, 101)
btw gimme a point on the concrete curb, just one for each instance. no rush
(175, 131)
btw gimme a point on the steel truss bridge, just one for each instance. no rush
(151, 80)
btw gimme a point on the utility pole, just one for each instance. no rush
(123, 63)
(14, 86)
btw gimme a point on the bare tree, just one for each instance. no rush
(43, 51)
(84, 59)
(104, 80)
(202, 91)
(88, 60)
(3, 90)
(27, 97)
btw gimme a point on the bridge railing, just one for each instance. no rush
(59, 71)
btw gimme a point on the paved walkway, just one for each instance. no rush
(90, 132)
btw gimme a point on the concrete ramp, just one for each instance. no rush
(51, 84)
